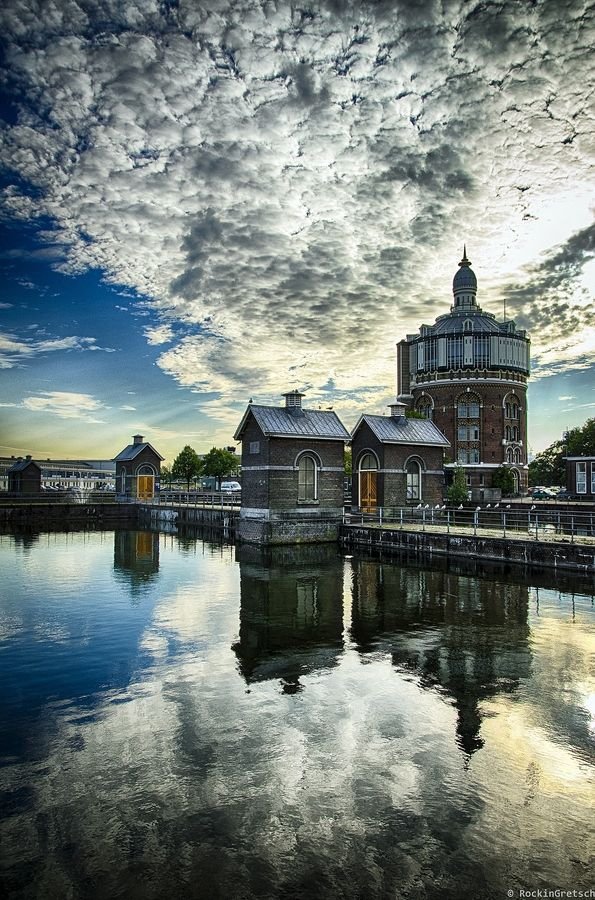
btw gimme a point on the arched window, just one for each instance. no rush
(509, 455)
(424, 406)
(413, 471)
(507, 433)
(145, 469)
(467, 325)
(517, 455)
(307, 478)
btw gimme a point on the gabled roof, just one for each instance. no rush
(133, 450)
(275, 421)
(21, 464)
(401, 430)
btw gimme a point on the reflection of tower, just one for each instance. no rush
(136, 556)
(458, 633)
(291, 615)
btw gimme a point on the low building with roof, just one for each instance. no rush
(138, 467)
(292, 473)
(396, 460)
(580, 477)
(24, 476)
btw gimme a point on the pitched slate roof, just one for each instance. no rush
(275, 421)
(133, 450)
(401, 430)
(21, 464)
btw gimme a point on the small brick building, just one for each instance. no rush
(292, 473)
(24, 477)
(137, 470)
(580, 476)
(396, 461)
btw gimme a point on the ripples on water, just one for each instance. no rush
(181, 718)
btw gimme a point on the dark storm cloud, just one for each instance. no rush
(272, 174)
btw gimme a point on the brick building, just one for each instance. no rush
(24, 477)
(292, 473)
(396, 461)
(580, 476)
(137, 470)
(468, 373)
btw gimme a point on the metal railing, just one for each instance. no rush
(503, 521)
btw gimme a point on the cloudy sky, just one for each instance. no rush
(204, 202)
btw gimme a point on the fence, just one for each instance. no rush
(505, 521)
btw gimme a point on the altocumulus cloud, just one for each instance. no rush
(291, 186)
(65, 405)
(16, 351)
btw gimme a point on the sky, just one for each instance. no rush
(207, 202)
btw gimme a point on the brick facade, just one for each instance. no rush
(271, 511)
(391, 477)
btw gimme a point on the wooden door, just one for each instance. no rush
(145, 487)
(368, 490)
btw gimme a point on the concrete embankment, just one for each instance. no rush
(577, 556)
(211, 517)
(67, 515)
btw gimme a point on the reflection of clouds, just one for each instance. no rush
(351, 788)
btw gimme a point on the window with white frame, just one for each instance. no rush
(307, 478)
(581, 477)
(593, 477)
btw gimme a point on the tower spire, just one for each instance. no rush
(465, 261)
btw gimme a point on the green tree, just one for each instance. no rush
(218, 463)
(504, 479)
(348, 464)
(167, 476)
(414, 414)
(187, 465)
(549, 468)
(457, 492)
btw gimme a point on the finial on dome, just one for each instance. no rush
(465, 261)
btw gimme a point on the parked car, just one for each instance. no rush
(232, 487)
(566, 495)
(543, 494)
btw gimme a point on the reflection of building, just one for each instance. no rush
(291, 614)
(396, 460)
(136, 556)
(292, 473)
(468, 373)
(137, 470)
(459, 634)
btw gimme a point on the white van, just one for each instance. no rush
(231, 487)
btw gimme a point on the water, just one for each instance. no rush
(180, 718)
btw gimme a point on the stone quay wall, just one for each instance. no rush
(540, 554)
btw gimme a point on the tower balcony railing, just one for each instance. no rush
(506, 443)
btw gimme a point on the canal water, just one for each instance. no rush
(182, 718)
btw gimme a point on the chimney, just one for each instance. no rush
(397, 410)
(137, 438)
(28, 456)
(293, 403)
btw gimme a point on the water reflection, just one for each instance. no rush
(136, 557)
(291, 612)
(458, 634)
(430, 737)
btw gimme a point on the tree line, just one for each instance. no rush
(549, 468)
(188, 466)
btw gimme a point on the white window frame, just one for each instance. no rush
(581, 482)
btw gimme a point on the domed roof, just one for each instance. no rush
(465, 278)
(454, 323)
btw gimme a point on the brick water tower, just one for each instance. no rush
(468, 373)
